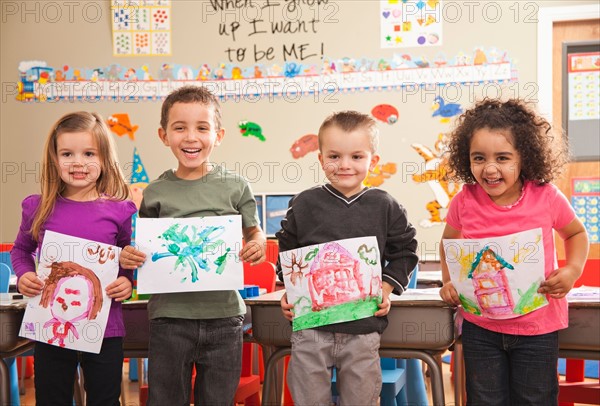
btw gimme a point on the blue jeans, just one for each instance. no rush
(55, 374)
(505, 369)
(214, 346)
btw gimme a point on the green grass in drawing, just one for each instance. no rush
(191, 248)
(530, 300)
(469, 305)
(355, 310)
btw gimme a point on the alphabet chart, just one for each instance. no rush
(141, 27)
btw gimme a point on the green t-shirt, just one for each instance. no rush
(218, 193)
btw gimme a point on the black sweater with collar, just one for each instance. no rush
(323, 214)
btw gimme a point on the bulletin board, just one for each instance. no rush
(581, 101)
(279, 68)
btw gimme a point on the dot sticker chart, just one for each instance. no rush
(141, 27)
(410, 23)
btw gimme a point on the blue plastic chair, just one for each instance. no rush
(10, 362)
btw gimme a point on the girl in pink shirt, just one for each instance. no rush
(507, 157)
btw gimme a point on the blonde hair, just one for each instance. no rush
(110, 183)
(349, 121)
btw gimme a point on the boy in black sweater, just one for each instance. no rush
(342, 209)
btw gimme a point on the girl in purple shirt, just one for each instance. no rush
(83, 194)
(506, 155)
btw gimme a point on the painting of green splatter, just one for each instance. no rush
(192, 254)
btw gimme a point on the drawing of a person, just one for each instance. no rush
(73, 293)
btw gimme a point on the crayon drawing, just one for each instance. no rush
(72, 310)
(498, 277)
(333, 282)
(190, 254)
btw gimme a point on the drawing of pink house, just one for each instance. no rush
(491, 286)
(335, 277)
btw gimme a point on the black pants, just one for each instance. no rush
(55, 374)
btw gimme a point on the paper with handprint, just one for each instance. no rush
(72, 310)
(333, 282)
(190, 254)
(498, 277)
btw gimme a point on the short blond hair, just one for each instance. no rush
(349, 121)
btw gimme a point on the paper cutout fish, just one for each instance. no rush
(303, 145)
(248, 128)
(386, 113)
(121, 125)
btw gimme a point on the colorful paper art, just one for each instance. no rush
(386, 113)
(72, 310)
(436, 176)
(141, 28)
(445, 110)
(38, 82)
(190, 254)
(121, 125)
(379, 174)
(333, 282)
(248, 128)
(498, 277)
(303, 145)
(410, 23)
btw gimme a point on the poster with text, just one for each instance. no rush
(333, 282)
(72, 310)
(190, 254)
(498, 277)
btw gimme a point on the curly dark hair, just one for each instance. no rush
(542, 154)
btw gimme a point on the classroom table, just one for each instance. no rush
(420, 326)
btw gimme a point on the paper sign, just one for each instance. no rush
(498, 277)
(190, 254)
(333, 282)
(72, 310)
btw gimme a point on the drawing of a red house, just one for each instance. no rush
(335, 277)
(490, 283)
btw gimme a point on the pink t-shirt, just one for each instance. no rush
(474, 213)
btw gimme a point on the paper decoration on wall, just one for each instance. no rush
(436, 177)
(379, 174)
(585, 199)
(445, 110)
(333, 282)
(72, 310)
(248, 128)
(410, 23)
(121, 125)
(143, 28)
(190, 254)
(303, 145)
(386, 113)
(498, 277)
(400, 72)
(584, 86)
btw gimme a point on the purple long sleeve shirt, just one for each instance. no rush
(101, 220)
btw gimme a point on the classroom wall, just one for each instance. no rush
(79, 34)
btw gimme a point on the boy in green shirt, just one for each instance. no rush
(196, 328)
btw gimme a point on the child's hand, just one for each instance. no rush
(386, 304)
(449, 294)
(253, 252)
(30, 285)
(131, 258)
(560, 282)
(120, 289)
(286, 308)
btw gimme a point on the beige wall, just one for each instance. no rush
(75, 39)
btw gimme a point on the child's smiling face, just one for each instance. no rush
(347, 158)
(191, 135)
(496, 164)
